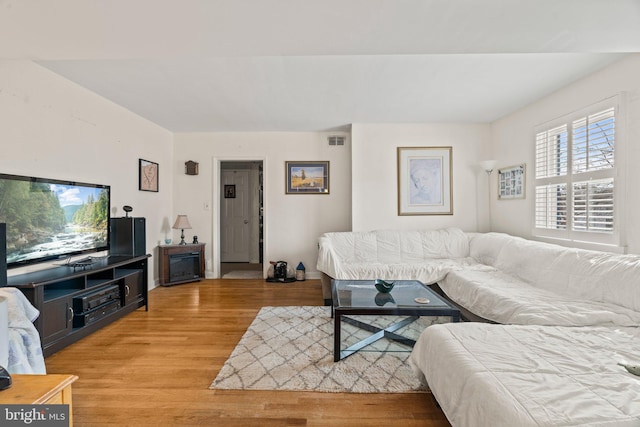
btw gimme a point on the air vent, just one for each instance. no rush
(336, 140)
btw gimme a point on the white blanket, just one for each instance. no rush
(505, 375)
(25, 352)
(503, 298)
(424, 255)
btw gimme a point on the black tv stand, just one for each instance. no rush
(115, 286)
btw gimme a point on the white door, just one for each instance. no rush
(235, 216)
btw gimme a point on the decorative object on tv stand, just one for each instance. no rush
(182, 223)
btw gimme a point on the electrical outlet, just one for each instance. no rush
(205, 205)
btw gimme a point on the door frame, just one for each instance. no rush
(216, 178)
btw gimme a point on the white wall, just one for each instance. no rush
(292, 223)
(374, 179)
(513, 136)
(52, 128)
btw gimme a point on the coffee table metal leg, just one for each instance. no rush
(336, 336)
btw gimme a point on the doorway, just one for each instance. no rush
(241, 219)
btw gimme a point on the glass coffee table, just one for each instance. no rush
(358, 303)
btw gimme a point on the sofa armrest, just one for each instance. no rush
(328, 261)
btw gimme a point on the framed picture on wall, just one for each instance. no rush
(147, 175)
(307, 177)
(511, 182)
(229, 191)
(425, 181)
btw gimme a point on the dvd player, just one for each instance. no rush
(91, 316)
(93, 299)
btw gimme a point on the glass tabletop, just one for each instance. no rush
(363, 293)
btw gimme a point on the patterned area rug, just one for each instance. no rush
(291, 348)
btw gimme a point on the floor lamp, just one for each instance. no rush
(488, 166)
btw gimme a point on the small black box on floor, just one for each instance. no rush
(128, 236)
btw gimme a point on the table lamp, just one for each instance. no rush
(181, 223)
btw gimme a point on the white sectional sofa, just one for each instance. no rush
(565, 318)
(498, 277)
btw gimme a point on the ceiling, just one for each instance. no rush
(308, 65)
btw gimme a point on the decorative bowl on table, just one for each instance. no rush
(382, 286)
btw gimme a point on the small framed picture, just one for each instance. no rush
(147, 175)
(511, 182)
(229, 191)
(307, 177)
(425, 181)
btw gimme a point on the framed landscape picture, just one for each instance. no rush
(511, 182)
(307, 177)
(425, 181)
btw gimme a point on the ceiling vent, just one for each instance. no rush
(336, 140)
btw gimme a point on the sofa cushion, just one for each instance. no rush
(597, 276)
(524, 259)
(502, 298)
(340, 250)
(574, 273)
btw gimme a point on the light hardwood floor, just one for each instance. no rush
(155, 367)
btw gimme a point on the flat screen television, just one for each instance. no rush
(50, 219)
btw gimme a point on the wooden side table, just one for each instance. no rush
(40, 389)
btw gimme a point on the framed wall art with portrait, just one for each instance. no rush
(425, 182)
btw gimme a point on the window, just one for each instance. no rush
(575, 173)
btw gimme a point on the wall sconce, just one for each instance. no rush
(191, 167)
(181, 223)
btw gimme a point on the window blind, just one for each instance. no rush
(575, 175)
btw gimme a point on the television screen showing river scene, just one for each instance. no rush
(48, 219)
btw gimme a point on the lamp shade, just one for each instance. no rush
(488, 165)
(182, 222)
